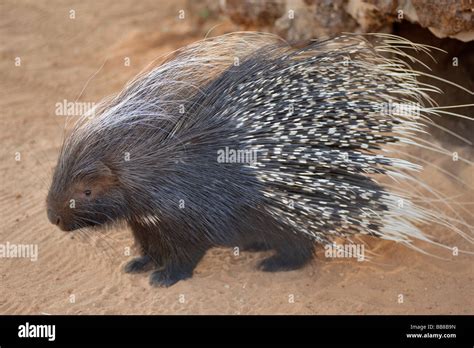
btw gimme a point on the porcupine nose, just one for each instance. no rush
(54, 218)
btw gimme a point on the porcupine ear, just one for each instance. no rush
(101, 174)
(104, 170)
(105, 173)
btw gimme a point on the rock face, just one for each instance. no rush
(305, 19)
(446, 17)
(254, 13)
(308, 19)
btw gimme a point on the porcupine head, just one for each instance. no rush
(82, 197)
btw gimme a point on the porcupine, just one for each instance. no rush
(316, 119)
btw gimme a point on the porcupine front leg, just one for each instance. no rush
(138, 264)
(179, 258)
(144, 262)
(172, 259)
(178, 267)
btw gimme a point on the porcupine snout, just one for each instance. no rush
(54, 218)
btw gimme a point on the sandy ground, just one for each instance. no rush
(58, 56)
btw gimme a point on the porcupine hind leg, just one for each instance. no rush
(290, 254)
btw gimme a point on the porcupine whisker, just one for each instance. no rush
(89, 239)
(78, 210)
(101, 213)
(81, 234)
(84, 235)
(101, 236)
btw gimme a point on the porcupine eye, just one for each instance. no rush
(87, 193)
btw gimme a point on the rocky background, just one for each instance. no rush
(307, 19)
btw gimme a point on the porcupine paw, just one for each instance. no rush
(138, 264)
(164, 278)
(277, 263)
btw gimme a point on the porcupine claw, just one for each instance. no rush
(138, 264)
(164, 278)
